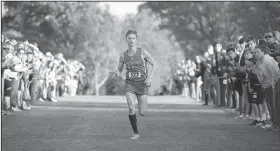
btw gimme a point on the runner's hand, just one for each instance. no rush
(148, 81)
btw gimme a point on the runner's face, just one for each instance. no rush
(131, 40)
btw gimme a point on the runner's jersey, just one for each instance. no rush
(135, 66)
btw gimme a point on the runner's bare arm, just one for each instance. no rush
(121, 64)
(147, 56)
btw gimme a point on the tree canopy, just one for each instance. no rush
(199, 24)
(170, 31)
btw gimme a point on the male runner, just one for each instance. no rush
(138, 79)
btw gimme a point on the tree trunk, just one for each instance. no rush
(97, 87)
(97, 90)
(97, 83)
(170, 86)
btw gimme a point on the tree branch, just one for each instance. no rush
(200, 28)
(103, 81)
(207, 16)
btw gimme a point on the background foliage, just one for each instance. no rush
(171, 31)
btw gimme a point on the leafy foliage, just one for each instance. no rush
(199, 24)
(170, 31)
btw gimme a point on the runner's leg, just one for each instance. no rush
(142, 104)
(132, 108)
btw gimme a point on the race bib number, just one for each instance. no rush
(225, 81)
(134, 75)
(255, 95)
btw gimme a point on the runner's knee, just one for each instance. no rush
(141, 113)
(131, 110)
(142, 103)
(130, 103)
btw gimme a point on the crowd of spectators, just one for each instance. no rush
(246, 79)
(29, 76)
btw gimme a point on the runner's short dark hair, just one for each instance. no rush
(131, 32)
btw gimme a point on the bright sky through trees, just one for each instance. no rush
(121, 9)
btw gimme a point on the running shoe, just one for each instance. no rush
(135, 136)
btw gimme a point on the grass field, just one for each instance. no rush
(90, 123)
